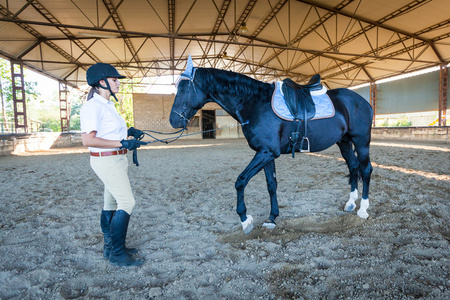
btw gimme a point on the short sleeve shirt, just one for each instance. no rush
(100, 115)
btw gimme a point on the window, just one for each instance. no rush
(221, 112)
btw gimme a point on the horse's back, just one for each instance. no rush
(350, 100)
(354, 108)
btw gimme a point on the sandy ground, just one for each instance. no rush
(187, 230)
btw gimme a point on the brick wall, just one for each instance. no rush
(151, 112)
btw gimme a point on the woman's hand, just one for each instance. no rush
(136, 133)
(131, 144)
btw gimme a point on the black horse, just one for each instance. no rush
(249, 102)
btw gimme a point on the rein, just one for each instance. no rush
(173, 139)
(181, 131)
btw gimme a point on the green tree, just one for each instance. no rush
(76, 102)
(125, 104)
(403, 122)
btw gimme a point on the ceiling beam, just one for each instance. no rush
(404, 9)
(309, 30)
(362, 31)
(183, 37)
(49, 17)
(221, 16)
(112, 10)
(261, 26)
(5, 13)
(237, 26)
(405, 49)
(171, 10)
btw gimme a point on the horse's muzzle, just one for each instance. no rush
(177, 121)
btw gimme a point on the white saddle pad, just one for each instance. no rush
(324, 106)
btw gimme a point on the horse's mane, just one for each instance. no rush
(235, 84)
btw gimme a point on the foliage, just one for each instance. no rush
(385, 123)
(401, 122)
(125, 104)
(76, 102)
(45, 114)
(31, 92)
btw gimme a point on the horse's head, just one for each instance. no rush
(188, 100)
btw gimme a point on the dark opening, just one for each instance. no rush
(209, 123)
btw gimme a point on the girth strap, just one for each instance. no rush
(301, 106)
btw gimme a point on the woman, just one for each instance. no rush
(105, 133)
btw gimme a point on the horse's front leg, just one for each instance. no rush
(258, 162)
(271, 179)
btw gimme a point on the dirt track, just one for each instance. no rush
(187, 230)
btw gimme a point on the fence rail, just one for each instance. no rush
(32, 126)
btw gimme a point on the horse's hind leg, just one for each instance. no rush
(365, 168)
(353, 166)
(271, 179)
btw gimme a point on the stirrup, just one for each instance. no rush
(307, 142)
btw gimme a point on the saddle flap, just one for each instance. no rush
(299, 102)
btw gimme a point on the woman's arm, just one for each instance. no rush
(90, 140)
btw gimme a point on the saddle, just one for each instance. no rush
(301, 106)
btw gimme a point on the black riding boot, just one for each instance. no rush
(119, 255)
(105, 223)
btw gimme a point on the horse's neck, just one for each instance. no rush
(229, 102)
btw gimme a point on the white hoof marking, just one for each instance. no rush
(269, 225)
(362, 212)
(350, 206)
(248, 225)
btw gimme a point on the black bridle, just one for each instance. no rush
(182, 115)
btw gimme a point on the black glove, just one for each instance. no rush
(136, 133)
(131, 144)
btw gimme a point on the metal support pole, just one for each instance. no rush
(443, 86)
(64, 109)
(18, 93)
(373, 100)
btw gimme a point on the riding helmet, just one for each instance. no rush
(100, 71)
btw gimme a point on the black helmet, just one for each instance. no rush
(100, 71)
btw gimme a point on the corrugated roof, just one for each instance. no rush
(348, 42)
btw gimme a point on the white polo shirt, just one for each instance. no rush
(99, 114)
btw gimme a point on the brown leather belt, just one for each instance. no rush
(109, 153)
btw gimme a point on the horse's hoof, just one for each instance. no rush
(269, 224)
(349, 207)
(362, 214)
(248, 225)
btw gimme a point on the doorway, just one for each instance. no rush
(208, 123)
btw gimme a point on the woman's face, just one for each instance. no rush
(114, 83)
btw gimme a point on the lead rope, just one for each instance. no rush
(173, 139)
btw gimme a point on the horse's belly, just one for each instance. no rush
(322, 134)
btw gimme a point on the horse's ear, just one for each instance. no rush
(189, 72)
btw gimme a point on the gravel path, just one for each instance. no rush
(187, 230)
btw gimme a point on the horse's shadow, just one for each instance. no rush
(289, 230)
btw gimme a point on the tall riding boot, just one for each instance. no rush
(105, 221)
(119, 256)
